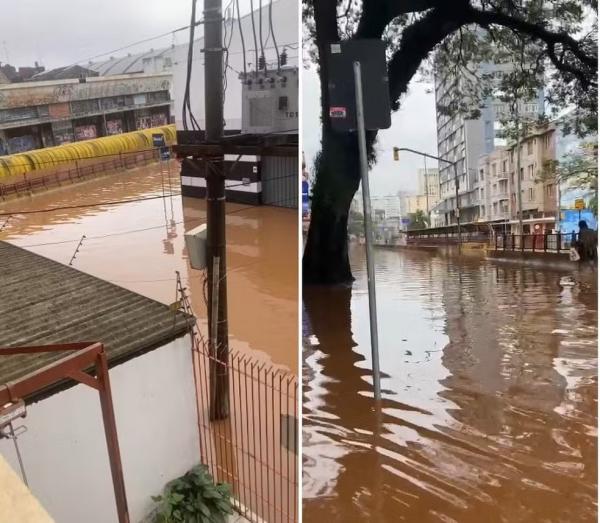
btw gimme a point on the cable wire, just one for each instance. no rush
(260, 35)
(239, 19)
(254, 35)
(272, 33)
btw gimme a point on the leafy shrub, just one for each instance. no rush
(194, 498)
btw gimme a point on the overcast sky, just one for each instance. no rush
(61, 32)
(413, 126)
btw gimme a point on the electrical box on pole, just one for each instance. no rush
(342, 97)
(270, 101)
(195, 241)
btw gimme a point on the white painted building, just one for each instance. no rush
(64, 448)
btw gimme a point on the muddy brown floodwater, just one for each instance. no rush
(139, 245)
(262, 250)
(489, 395)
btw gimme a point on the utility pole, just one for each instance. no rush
(457, 209)
(519, 196)
(215, 208)
(426, 186)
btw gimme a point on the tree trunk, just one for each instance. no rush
(337, 180)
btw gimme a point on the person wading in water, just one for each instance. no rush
(587, 243)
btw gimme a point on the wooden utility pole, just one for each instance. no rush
(215, 206)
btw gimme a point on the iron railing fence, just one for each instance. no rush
(255, 448)
(79, 170)
(542, 242)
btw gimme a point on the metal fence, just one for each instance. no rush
(255, 448)
(83, 169)
(554, 242)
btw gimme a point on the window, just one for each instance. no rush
(531, 194)
(529, 147)
(530, 172)
(522, 174)
(494, 173)
(504, 167)
(481, 174)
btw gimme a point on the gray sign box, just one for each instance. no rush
(342, 99)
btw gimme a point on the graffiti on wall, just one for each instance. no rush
(70, 90)
(85, 132)
(114, 127)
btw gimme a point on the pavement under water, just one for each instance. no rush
(489, 408)
(140, 244)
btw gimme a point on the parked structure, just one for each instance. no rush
(151, 373)
(41, 114)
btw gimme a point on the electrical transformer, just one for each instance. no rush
(270, 101)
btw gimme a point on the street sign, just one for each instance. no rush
(579, 204)
(158, 140)
(370, 53)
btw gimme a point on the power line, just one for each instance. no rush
(83, 206)
(272, 33)
(254, 35)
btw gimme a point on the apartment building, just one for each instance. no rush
(497, 181)
(462, 141)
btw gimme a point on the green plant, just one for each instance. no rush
(194, 498)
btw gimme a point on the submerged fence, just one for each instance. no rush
(255, 447)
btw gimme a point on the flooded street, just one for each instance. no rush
(489, 395)
(139, 245)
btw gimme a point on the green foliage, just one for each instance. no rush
(579, 169)
(194, 498)
(418, 220)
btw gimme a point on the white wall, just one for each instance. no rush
(285, 27)
(64, 450)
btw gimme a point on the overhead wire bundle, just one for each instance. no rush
(187, 109)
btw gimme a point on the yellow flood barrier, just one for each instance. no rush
(22, 163)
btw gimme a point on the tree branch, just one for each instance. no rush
(418, 40)
(378, 14)
(536, 31)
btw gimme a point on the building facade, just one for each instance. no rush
(41, 114)
(497, 183)
(462, 141)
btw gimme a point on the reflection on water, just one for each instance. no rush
(489, 395)
(261, 250)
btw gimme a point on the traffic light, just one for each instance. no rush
(396, 154)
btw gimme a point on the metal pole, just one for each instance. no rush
(426, 186)
(110, 431)
(364, 168)
(457, 210)
(519, 197)
(215, 190)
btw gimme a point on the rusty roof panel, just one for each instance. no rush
(45, 302)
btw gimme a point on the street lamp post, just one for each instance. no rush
(454, 164)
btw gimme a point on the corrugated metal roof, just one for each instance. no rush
(44, 302)
(128, 64)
